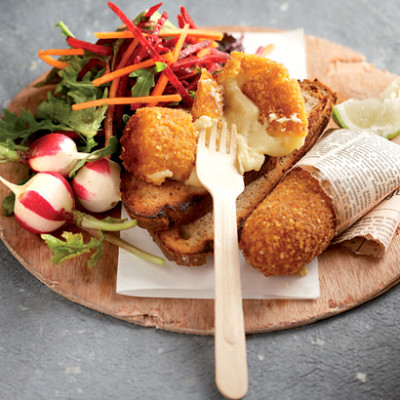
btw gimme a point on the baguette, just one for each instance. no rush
(190, 244)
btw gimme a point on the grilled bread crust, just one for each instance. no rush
(190, 243)
(174, 204)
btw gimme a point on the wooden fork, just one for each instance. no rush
(216, 168)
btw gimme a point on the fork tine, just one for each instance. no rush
(202, 138)
(213, 137)
(233, 143)
(223, 138)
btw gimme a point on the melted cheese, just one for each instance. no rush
(159, 177)
(193, 180)
(253, 139)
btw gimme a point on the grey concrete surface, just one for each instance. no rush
(51, 348)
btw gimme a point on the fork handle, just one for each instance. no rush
(230, 345)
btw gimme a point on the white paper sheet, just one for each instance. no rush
(136, 277)
(289, 49)
(140, 278)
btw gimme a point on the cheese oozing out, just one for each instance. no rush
(253, 139)
(159, 177)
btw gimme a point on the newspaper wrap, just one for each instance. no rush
(360, 172)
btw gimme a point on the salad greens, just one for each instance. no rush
(72, 78)
(74, 246)
(145, 79)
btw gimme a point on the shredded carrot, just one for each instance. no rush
(179, 43)
(267, 49)
(163, 80)
(153, 53)
(109, 118)
(127, 70)
(204, 52)
(128, 53)
(63, 52)
(52, 61)
(170, 98)
(198, 33)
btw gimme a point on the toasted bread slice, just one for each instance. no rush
(173, 203)
(191, 243)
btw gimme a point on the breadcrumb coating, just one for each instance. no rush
(208, 98)
(159, 142)
(268, 85)
(294, 224)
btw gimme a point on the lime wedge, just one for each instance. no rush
(379, 115)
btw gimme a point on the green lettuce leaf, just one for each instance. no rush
(145, 79)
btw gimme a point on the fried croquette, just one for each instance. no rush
(208, 98)
(268, 85)
(294, 224)
(159, 143)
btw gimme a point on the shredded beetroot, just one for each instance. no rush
(185, 63)
(214, 58)
(170, 43)
(259, 50)
(193, 84)
(152, 10)
(160, 23)
(202, 61)
(181, 21)
(92, 63)
(187, 18)
(212, 68)
(180, 73)
(154, 39)
(189, 76)
(153, 53)
(94, 48)
(194, 48)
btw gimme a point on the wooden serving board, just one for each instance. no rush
(346, 280)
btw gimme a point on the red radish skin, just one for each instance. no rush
(97, 185)
(101, 166)
(34, 202)
(81, 192)
(44, 203)
(53, 152)
(47, 145)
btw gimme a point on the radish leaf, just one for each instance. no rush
(100, 153)
(74, 246)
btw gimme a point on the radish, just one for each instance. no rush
(46, 202)
(97, 185)
(54, 152)
(43, 203)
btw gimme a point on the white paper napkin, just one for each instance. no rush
(136, 277)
